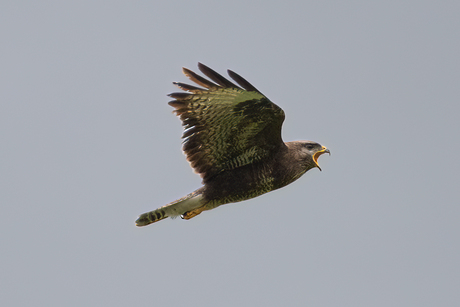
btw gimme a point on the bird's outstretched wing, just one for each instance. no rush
(226, 126)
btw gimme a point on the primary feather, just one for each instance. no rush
(225, 126)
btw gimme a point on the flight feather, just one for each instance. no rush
(226, 126)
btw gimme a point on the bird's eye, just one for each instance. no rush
(310, 146)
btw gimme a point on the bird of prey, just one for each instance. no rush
(232, 138)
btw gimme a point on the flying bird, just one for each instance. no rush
(232, 139)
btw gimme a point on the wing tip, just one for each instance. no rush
(242, 82)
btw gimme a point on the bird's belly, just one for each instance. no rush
(237, 186)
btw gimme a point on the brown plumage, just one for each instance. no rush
(232, 138)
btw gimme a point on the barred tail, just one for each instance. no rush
(174, 209)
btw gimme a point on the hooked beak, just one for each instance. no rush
(319, 153)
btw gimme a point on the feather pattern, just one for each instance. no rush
(226, 127)
(187, 203)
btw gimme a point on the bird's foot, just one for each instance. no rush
(189, 214)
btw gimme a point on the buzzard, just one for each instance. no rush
(232, 138)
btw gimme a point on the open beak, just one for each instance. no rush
(319, 153)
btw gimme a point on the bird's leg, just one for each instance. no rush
(189, 214)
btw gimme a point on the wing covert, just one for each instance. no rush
(226, 126)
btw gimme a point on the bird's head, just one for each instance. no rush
(311, 151)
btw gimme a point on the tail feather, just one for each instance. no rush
(174, 209)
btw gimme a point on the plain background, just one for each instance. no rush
(88, 143)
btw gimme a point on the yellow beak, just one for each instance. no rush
(319, 153)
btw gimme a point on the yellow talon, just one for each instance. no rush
(190, 214)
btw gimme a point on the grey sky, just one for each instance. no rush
(89, 142)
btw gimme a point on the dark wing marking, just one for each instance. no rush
(188, 88)
(226, 127)
(242, 82)
(214, 76)
(199, 79)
